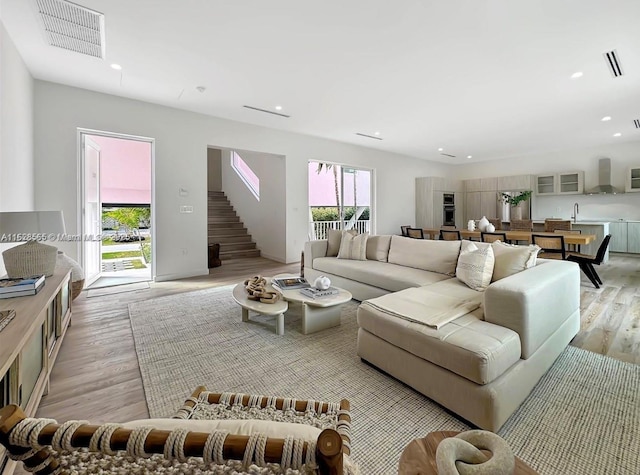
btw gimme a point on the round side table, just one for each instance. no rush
(419, 457)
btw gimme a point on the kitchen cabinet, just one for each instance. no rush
(633, 180)
(568, 183)
(430, 200)
(633, 237)
(545, 184)
(481, 203)
(618, 231)
(514, 183)
(30, 343)
(571, 183)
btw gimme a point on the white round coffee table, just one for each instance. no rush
(278, 308)
(317, 314)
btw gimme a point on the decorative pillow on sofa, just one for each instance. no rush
(425, 254)
(334, 238)
(353, 246)
(475, 265)
(378, 248)
(512, 259)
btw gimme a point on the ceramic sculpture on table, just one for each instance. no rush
(322, 283)
(465, 448)
(490, 228)
(471, 225)
(483, 223)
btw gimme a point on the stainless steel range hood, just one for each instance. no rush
(604, 180)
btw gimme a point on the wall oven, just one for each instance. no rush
(448, 210)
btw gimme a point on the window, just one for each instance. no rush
(245, 173)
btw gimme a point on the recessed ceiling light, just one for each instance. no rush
(440, 149)
(117, 67)
(278, 108)
(469, 156)
(617, 134)
(577, 74)
(376, 133)
(606, 118)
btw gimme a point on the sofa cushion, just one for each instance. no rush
(353, 246)
(334, 238)
(378, 248)
(275, 429)
(510, 259)
(475, 265)
(383, 275)
(474, 349)
(434, 256)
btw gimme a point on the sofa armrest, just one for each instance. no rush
(313, 249)
(536, 302)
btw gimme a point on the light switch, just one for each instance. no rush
(186, 209)
(183, 191)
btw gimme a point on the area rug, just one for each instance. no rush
(583, 417)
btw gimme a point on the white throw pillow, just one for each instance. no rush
(353, 247)
(334, 238)
(512, 259)
(475, 265)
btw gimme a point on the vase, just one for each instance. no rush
(517, 212)
(490, 228)
(77, 273)
(483, 223)
(471, 225)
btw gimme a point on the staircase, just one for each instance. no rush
(224, 227)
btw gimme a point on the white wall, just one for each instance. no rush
(265, 219)
(16, 133)
(622, 155)
(16, 129)
(182, 139)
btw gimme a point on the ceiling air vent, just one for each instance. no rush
(613, 63)
(266, 111)
(72, 27)
(369, 136)
(636, 122)
(448, 155)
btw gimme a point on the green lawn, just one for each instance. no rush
(120, 255)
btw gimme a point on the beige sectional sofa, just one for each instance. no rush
(483, 363)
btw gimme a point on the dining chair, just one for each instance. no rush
(586, 262)
(570, 247)
(450, 235)
(497, 223)
(550, 225)
(415, 233)
(491, 237)
(521, 225)
(552, 246)
(404, 230)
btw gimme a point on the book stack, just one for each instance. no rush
(20, 287)
(317, 293)
(288, 283)
(5, 317)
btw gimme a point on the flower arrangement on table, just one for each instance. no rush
(515, 200)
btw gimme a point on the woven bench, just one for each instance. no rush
(170, 447)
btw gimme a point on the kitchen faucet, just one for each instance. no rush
(576, 209)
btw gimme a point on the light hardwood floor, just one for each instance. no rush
(96, 376)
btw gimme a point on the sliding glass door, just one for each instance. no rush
(339, 198)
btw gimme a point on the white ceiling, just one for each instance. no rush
(489, 79)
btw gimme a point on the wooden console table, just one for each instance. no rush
(30, 344)
(419, 457)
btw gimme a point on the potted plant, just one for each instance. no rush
(516, 200)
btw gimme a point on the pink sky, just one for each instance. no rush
(322, 187)
(125, 170)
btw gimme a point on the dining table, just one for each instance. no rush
(513, 236)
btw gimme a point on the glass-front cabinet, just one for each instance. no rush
(633, 180)
(545, 185)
